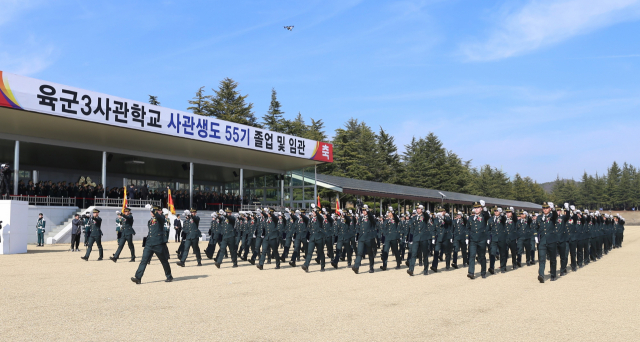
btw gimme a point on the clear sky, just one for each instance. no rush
(536, 87)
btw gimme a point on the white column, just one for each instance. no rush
(315, 185)
(190, 185)
(241, 187)
(16, 168)
(104, 174)
(35, 176)
(282, 191)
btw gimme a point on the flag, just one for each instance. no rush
(337, 205)
(172, 208)
(320, 205)
(124, 200)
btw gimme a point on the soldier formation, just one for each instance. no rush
(562, 231)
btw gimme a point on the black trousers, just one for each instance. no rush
(416, 247)
(512, 247)
(196, 249)
(121, 241)
(147, 253)
(525, 246)
(177, 237)
(573, 250)
(98, 241)
(368, 247)
(445, 247)
(75, 239)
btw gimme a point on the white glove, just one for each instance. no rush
(165, 211)
(550, 204)
(254, 235)
(433, 242)
(573, 207)
(118, 212)
(537, 240)
(187, 212)
(566, 205)
(500, 210)
(451, 240)
(148, 206)
(488, 241)
(511, 208)
(411, 243)
(482, 203)
(586, 211)
(446, 214)
(467, 241)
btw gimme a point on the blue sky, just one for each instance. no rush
(536, 87)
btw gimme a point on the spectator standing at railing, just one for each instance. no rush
(76, 230)
(40, 225)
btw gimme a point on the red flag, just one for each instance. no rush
(172, 208)
(337, 205)
(320, 205)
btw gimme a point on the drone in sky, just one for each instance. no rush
(290, 28)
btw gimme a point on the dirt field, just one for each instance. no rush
(51, 294)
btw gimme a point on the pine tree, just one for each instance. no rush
(625, 186)
(521, 190)
(273, 120)
(199, 102)
(153, 100)
(315, 131)
(227, 104)
(612, 188)
(390, 168)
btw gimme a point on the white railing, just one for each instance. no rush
(131, 203)
(43, 200)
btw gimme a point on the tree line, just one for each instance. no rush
(618, 189)
(360, 152)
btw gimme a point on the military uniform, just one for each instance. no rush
(419, 236)
(512, 238)
(213, 237)
(156, 243)
(442, 239)
(227, 224)
(365, 237)
(477, 236)
(391, 237)
(300, 237)
(192, 240)
(289, 223)
(127, 236)
(40, 228)
(459, 244)
(270, 238)
(525, 235)
(619, 231)
(95, 235)
(315, 237)
(498, 241)
(547, 235)
(573, 225)
(345, 240)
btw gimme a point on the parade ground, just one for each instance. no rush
(51, 294)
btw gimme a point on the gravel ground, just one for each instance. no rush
(52, 294)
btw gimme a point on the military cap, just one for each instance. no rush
(155, 207)
(304, 211)
(495, 208)
(227, 210)
(365, 207)
(559, 208)
(271, 210)
(96, 210)
(193, 210)
(420, 206)
(477, 205)
(41, 214)
(440, 209)
(127, 209)
(509, 210)
(545, 205)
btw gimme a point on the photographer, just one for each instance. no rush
(76, 230)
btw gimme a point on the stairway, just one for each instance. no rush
(51, 233)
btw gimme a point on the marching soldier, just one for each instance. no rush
(213, 237)
(477, 238)
(547, 239)
(574, 227)
(582, 246)
(418, 240)
(563, 237)
(127, 235)
(523, 227)
(315, 237)
(497, 240)
(390, 239)
(156, 243)
(290, 222)
(40, 227)
(227, 223)
(441, 238)
(95, 235)
(365, 237)
(300, 235)
(191, 223)
(459, 237)
(87, 227)
(512, 238)
(619, 230)
(270, 238)
(119, 220)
